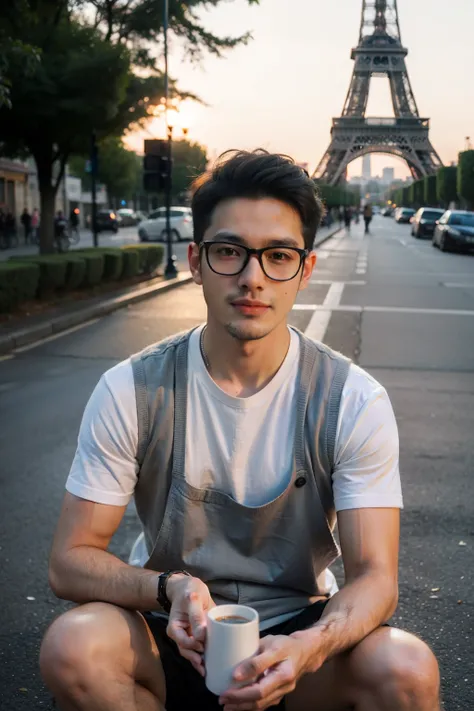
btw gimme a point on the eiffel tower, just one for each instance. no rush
(379, 53)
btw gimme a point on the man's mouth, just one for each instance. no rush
(250, 307)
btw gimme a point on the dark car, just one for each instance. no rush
(107, 221)
(424, 221)
(455, 230)
(404, 214)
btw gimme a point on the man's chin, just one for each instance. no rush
(248, 330)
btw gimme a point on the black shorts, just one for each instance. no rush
(185, 687)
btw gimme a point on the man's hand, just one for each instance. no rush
(190, 601)
(279, 664)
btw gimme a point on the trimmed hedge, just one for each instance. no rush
(25, 277)
(131, 263)
(18, 282)
(113, 261)
(150, 256)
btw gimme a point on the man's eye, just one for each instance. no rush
(279, 256)
(227, 252)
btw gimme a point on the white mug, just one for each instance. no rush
(228, 643)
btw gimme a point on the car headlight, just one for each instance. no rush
(454, 232)
(423, 222)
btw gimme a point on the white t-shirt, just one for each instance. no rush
(238, 437)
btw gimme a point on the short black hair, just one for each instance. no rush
(256, 174)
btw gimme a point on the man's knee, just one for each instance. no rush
(393, 663)
(79, 643)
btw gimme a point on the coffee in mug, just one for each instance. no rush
(232, 636)
(232, 620)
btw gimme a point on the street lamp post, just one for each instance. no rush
(171, 270)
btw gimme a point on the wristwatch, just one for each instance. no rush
(162, 597)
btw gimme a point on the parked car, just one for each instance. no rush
(455, 230)
(387, 212)
(106, 220)
(154, 228)
(129, 217)
(424, 221)
(404, 214)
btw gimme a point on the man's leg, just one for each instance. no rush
(99, 657)
(390, 670)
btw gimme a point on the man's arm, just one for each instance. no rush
(369, 542)
(81, 569)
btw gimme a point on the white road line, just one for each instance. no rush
(381, 309)
(319, 321)
(328, 282)
(454, 285)
(30, 346)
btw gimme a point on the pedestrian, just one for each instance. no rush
(242, 441)
(35, 222)
(74, 221)
(347, 218)
(367, 217)
(341, 215)
(26, 222)
(60, 231)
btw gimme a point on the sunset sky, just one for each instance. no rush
(282, 89)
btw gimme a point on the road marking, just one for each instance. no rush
(30, 346)
(381, 309)
(319, 321)
(6, 357)
(327, 282)
(454, 285)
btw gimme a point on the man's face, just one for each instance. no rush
(250, 305)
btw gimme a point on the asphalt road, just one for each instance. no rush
(400, 308)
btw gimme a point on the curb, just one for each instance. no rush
(25, 336)
(326, 237)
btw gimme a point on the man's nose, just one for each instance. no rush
(253, 274)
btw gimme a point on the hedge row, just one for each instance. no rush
(24, 278)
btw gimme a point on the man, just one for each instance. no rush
(239, 441)
(367, 217)
(60, 233)
(26, 222)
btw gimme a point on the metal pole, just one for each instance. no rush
(171, 270)
(94, 189)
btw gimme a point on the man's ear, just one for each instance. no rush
(307, 271)
(194, 259)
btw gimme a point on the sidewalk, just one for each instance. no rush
(62, 317)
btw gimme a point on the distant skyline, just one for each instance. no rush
(282, 90)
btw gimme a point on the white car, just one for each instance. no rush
(153, 229)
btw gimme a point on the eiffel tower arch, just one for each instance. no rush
(379, 53)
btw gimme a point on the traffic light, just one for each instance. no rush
(156, 166)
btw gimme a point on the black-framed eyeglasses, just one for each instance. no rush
(278, 263)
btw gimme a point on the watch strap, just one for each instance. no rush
(162, 597)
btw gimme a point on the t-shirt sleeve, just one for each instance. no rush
(104, 468)
(366, 472)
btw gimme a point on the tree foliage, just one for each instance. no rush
(446, 185)
(189, 161)
(465, 178)
(119, 169)
(430, 196)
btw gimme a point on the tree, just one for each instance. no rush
(119, 170)
(446, 185)
(90, 76)
(465, 178)
(189, 161)
(430, 197)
